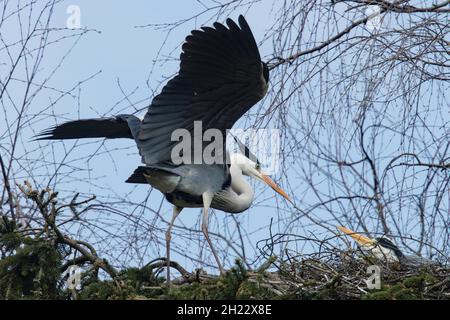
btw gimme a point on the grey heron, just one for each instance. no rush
(221, 76)
(384, 249)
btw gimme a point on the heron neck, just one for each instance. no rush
(242, 192)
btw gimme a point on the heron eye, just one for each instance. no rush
(258, 166)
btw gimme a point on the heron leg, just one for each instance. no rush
(175, 213)
(207, 199)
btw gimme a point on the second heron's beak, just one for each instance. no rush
(274, 186)
(364, 241)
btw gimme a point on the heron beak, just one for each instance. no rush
(364, 241)
(274, 186)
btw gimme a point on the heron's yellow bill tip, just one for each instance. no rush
(362, 240)
(274, 186)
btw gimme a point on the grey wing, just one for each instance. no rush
(221, 76)
(191, 179)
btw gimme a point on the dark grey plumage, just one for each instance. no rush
(111, 128)
(221, 77)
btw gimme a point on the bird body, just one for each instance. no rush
(234, 196)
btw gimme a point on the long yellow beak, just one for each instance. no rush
(358, 237)
(274, 186)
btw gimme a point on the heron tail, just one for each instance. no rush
(117, 127)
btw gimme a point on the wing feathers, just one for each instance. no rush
(88, 128)
(220, 78)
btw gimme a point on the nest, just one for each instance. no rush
(333, 273)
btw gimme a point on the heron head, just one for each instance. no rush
(253, 169)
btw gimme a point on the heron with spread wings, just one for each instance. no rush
(221, 77)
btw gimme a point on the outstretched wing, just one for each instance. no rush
(221, 76)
